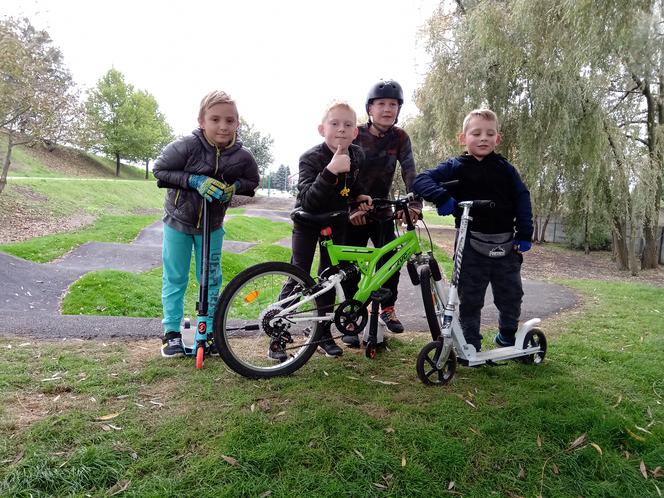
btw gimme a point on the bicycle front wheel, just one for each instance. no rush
(434, 303)
(252, 334)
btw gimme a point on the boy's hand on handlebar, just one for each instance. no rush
(414, 215)
(447, 207)
(209, 188)
(340, 162)
(357, 217)
(228, 191)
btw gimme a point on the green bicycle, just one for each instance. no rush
(253, 314)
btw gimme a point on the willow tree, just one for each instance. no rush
(578, 86)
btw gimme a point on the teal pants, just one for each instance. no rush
(176, 257)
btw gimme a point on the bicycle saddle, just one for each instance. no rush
(318, 221)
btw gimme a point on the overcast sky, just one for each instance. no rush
(281, 60)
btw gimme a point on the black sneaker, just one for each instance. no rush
(352, 341)
(276, 352)
(390, 320)
(330, 348)
(503, 341)
(172, 345)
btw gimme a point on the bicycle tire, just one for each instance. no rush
(434, 304)
(241, 323)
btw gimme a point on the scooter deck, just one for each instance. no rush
(499, 354)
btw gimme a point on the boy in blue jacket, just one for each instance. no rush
(497, 236)
(210, 165)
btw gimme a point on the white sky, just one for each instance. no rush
(281, 60)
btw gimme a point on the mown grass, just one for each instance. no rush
(116, 416)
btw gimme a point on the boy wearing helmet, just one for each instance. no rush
(384, 144)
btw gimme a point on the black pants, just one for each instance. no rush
(504, 275)
(380, 233)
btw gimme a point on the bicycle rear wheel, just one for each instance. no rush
(434, 303)
(245, 328)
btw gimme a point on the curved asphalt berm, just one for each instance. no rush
(30, 293)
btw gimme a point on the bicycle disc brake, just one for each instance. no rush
(351, 317)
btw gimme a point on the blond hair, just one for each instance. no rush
(483, 113)
(213, 98)
(338, 104)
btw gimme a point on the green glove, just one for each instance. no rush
(228, 191)
(209, 188)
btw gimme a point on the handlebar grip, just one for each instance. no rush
(483, 203)
(163, 184)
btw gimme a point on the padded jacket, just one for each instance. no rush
(493, 178)
(194, 155)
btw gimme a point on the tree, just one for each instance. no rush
(38, 99)
(579, 89)
(259, 145)
(151, 132)
(280, 178)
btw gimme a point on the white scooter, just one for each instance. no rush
(437, 361)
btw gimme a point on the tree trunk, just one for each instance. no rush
(586, 242)
(544, 227)
(7, 162)
(147, 163)
(117, 164)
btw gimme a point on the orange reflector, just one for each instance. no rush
(326, 232)
(251, 297)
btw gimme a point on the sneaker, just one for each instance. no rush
(172, 345)
(352, 341)
(502, 341)
(276, 352)
(389, 318)
(330, 348)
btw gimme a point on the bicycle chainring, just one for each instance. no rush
(351, 317)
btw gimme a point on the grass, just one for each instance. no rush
(84, 418)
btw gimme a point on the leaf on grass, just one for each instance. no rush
(618, 402)
(119, 487)
(326, 374)
(403, 460)
(659, 493)
(106, 427)
(281, 414)
(635, 436)
(451, 485)
(230, 460)
(379, 485)
(253, 407)
(522, 473)
(110, 416)
(359, 454)
(115, 427)
(579, 441)
(386, 382)
(266, 494)
(596, 446)
(470, 403)
(644, 471)
(643, 430)
(539, 441)
(554, 469)
(475, 431)
(657, 473)
(351, 378)
(389, 430)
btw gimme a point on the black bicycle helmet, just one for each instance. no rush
(385, 89)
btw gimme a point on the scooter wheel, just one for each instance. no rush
(534, 338)
(428, 372)
(371, 350)
(200, 355)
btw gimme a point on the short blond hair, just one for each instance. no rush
(213, 98)
(483, 113)
(338, 104)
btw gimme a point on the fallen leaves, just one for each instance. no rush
(230, 460)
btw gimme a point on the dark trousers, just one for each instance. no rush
(380, 233)
(504, 275)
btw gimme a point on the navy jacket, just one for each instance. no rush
(493, 178)
(194, 155)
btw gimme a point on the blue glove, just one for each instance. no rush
(228, 191)
(209, 188)
(448, 207)
(523, 245)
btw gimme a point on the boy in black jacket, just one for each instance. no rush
(497, 236)
(210, 165)
(327, 181)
